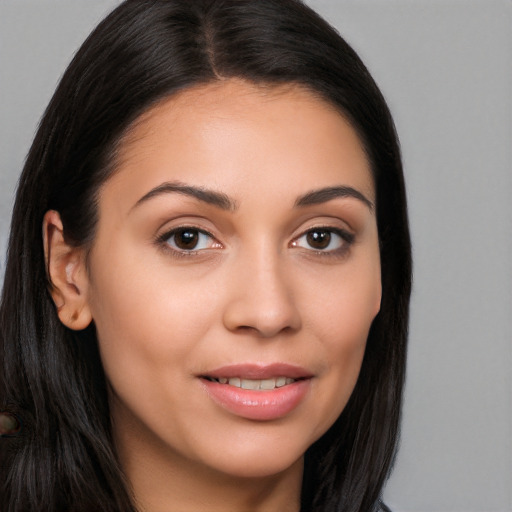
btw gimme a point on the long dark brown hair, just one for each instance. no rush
(51, 377)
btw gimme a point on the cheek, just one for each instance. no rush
(342, 305)
(147, 341)
(340, 312)
(140, 324)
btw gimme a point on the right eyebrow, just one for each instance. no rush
(205, 195)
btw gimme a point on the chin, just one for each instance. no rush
(259, 467)
(258, 455)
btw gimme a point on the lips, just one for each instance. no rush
(258, 392)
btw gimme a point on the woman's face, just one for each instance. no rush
(234, 277)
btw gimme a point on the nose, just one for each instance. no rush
(261, 298)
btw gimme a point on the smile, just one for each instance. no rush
(258, 392)
(254, 384)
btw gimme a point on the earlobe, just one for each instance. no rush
(67, 276)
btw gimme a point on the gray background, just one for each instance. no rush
(446, 69)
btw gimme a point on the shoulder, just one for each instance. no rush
(383, 507)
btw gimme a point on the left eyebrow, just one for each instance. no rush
(324, 195)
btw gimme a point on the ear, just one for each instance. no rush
(67, 273)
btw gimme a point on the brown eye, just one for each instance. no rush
(189, 239)
(325, 240)
(186, 239)
(318, 239)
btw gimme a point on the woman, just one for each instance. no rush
(215, 317)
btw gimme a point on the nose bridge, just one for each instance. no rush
(261, 294)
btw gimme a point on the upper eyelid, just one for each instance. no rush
(326, 221)
(171, 222)
(325, 227)
(166, 233)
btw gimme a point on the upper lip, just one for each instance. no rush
(259, 371)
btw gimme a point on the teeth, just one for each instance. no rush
(267, 383)
(256, 384)
(235, 381)
(250, 384)
(280, 382)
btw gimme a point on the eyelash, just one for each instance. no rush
(346, 240)
(163, 241)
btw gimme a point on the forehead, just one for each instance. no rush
(219, 99)
(226, 132)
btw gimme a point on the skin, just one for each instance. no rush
(255, 291)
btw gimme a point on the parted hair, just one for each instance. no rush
(51, 377)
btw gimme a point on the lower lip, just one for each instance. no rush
(258, 405)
